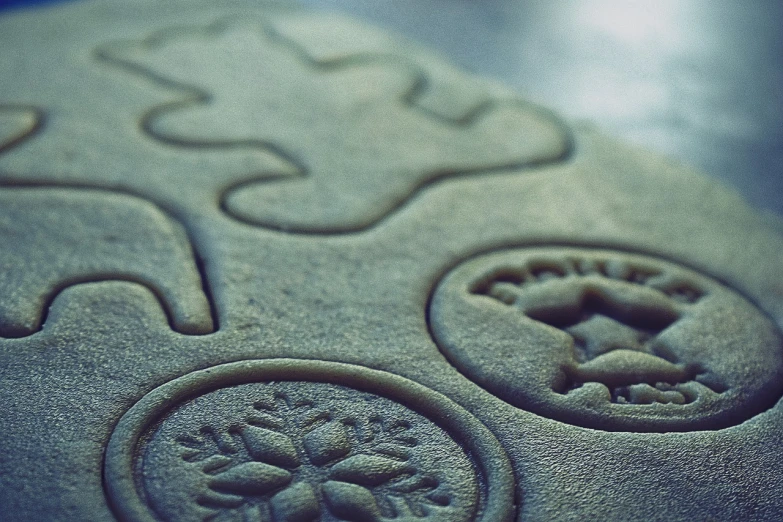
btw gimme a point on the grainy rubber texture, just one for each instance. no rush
(261, 264)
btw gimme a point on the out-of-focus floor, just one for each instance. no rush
(699, 80)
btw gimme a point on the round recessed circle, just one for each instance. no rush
(607, 339)
(292, 440)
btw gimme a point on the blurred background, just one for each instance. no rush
(697, 80)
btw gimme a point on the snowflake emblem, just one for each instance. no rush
(289, 453)
(286, 440)
(304, 451)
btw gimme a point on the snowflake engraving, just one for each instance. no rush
(284, 456)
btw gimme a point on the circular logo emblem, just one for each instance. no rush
(608, 340)
(290, 440)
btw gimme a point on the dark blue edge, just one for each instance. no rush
(18, 4)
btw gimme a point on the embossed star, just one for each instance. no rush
(600, 334)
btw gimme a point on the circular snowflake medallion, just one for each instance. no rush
(304, 441)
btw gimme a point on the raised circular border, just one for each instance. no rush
(620, 248)
(488, 456)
